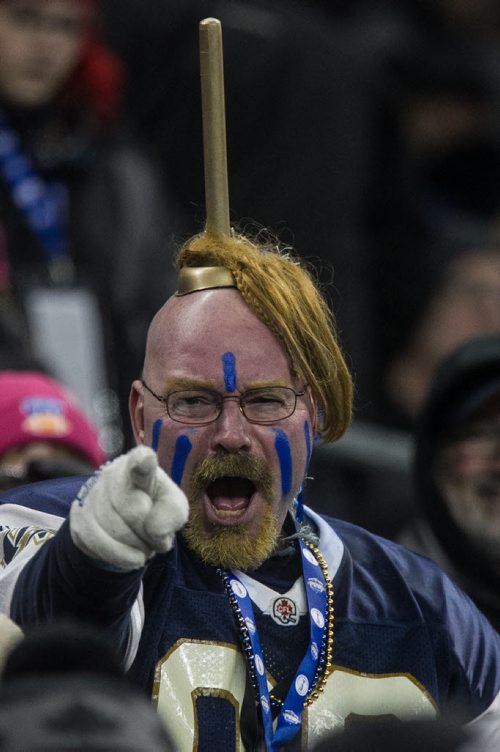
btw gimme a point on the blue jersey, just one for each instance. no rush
(407, 641)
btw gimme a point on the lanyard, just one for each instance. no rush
(42, 202)
(290, 716)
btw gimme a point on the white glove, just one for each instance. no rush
(131, 512)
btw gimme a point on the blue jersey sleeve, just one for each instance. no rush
(53, 496)
(62, 582)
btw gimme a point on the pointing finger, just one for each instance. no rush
(169, 512)
(142, 465)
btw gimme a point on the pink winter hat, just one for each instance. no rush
(34, 407)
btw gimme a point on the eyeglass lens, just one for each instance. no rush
(260, 405)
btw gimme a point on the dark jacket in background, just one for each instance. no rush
(435, 534)
(120, 229)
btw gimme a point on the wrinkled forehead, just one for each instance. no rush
(203, 325)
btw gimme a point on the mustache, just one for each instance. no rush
(232, 466)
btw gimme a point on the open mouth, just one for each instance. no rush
(230, 497)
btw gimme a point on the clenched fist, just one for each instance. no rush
(132, 511)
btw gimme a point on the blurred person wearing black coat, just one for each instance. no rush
(387, 734)
(457, 473)
(62, 687)
(81, 206)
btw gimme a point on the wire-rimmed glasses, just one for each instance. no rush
(269, 404)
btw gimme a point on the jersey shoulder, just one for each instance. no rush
(383, 581)
(50, 496)
(385, 592)
(391, 563)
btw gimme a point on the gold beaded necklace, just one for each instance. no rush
(324, 666)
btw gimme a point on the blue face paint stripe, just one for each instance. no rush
(229, 364)
(285, 458)
(182, 448)
(155, 439)
(307, 436)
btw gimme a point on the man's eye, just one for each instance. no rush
(193, 400)
(199, 399)
(263, 398)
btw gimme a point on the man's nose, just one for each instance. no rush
(232, 429)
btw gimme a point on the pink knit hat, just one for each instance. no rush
(34, 407)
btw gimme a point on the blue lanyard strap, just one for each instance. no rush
(316, 662)
(42, 202)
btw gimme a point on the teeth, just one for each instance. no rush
(226, 513)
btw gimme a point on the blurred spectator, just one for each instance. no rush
(84, 233)
(388, 734)
(43, 432)
(464, 303)
(62, 647)
(457, 473)
(434, 192)
(63, 688)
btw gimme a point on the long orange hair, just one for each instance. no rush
(283, 294)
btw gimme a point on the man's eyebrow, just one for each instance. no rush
(182, 382)
(270, 383)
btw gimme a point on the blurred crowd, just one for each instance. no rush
(365, 135)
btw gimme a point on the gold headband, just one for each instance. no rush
(194, 278)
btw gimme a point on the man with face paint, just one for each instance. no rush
(256, 623)
(243, 461)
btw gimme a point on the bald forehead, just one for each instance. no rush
(181, 315)
(201, 321)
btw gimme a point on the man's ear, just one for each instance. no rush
(136, 410)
